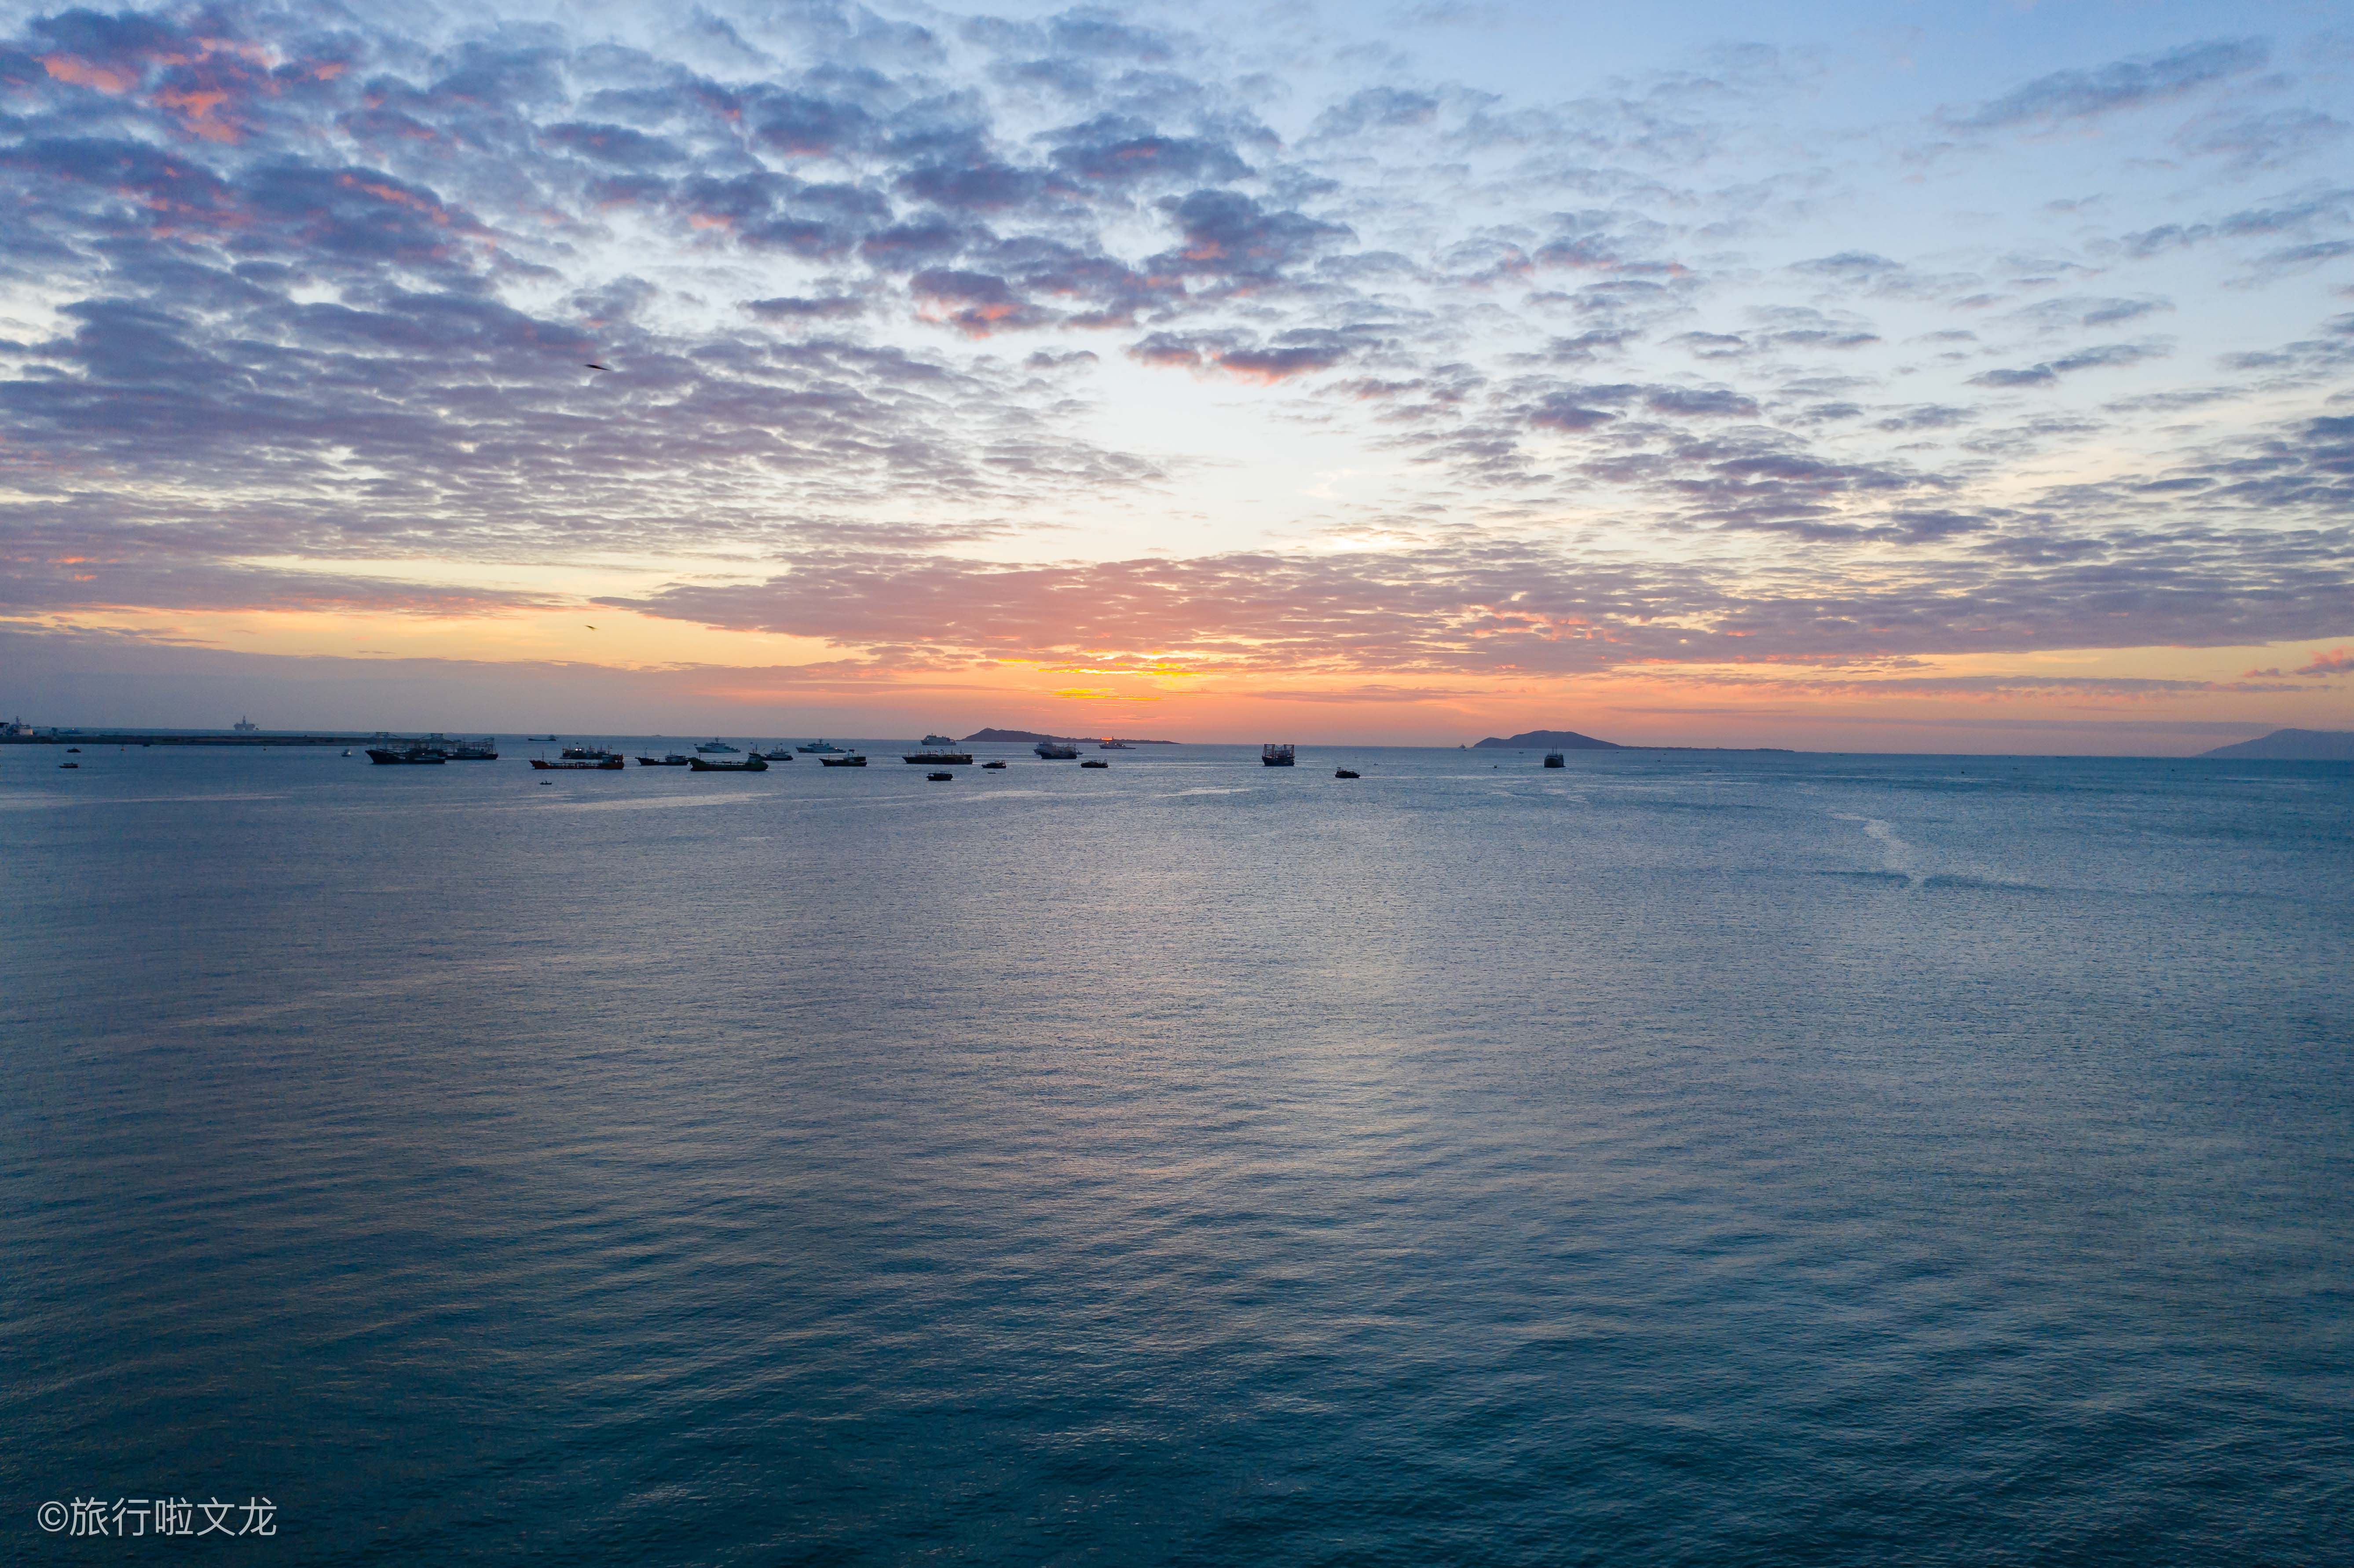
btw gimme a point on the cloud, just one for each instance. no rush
(2336, 662)
(2049, 371)
(2075, 95)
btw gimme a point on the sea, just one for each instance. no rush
(1691, 1158)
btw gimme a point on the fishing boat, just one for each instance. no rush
(668, 759)
(749, 765)
(1054, 751)
(582, 759)
(818, 747)
(942, 758)
(473, 751)
(1553, 759)
(1275, 755)
(1095, 762)
(716, 747)
(414, 753)
(853, 760)
(1344, 773)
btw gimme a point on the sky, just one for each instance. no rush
(1897, 378)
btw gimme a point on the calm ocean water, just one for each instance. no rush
(1678, 1158)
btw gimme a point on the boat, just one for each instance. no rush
(938, 741)
(716, 747)
(70, 765)
(1053, 751)
(1275, 755)
(1095, 762)
(541, 739)
(940, 778)
(582, 759)
(1344, 773)
(939, 758)
(347, 751)
(1553, 759)
(473, 751)
(1113, 745)
(405, 754)
(749, 765)
(779, 752)
(245, 726)
(992, 767)
(851, 760)
(668, 759)
(818, 747)
(73, 751)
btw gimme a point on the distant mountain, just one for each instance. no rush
(2294, 746)
(1032, 735)
(1553, 740)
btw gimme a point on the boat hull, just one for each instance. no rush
(399, 758)
(844, 761)
(749, 765)
(940, 758)
(613, 765)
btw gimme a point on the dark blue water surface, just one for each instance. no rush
(1678, 1157)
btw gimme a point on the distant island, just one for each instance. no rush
(1032, 735)
(2294, 746)
(1551, 740)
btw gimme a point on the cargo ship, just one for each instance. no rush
(1273, 756)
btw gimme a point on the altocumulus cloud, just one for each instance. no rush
(293, 283)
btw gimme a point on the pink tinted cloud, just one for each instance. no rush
(2336, 662)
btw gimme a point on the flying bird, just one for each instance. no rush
(590, 628)
(596, 366)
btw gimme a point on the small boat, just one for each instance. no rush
(942, 758)
(749, 765)
(992, 767)
(73, 751)
(1553, 759)
(853, 760)
(779, 752)
(668, 759)
(347, 751)
(1275, 755)
(1095, 762)
(1053, 752)
(818, 747)
(716, 747)
(937, 740)
(70, 765)
(941, 778)
(1344, 773)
